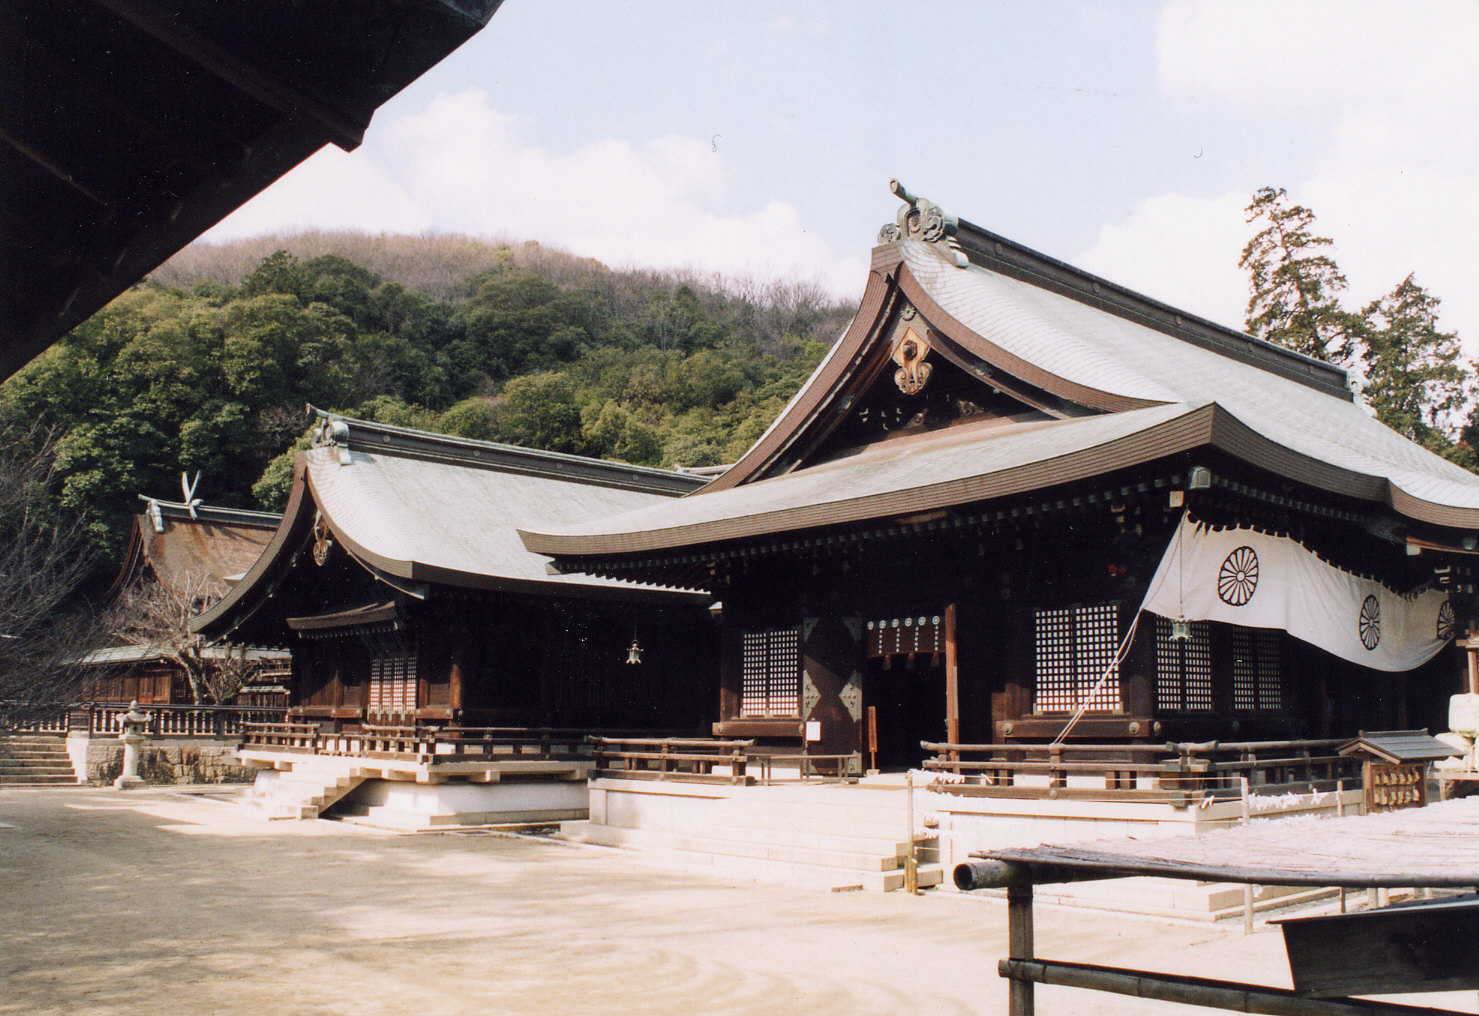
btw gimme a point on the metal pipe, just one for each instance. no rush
(987, 873)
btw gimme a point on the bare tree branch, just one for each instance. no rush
(151, 613)
(45, 556)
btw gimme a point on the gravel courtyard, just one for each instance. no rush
(156, 901)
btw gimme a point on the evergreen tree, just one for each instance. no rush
(1296, 285)
(1415, 377)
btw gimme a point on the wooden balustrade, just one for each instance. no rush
(102, 718)
(1178, 774)
(686, 759)
(295, 737)
(694, 760)
(428, 745)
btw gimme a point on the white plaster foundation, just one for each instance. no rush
(682, 821)
(410, 796)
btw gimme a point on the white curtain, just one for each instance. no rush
(1243, 577)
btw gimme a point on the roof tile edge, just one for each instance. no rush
(407, 442)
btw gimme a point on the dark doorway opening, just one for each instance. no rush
(910, 701)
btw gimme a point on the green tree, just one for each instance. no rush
(540, 411)
(1415, 378)
(1296, 285)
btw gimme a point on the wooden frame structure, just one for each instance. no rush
(133, 126)
(1420, 848)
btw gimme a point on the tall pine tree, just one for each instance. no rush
(1415, 377)
(1296, 285)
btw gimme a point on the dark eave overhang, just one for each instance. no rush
(365, 436)
(370, 613)
(129, 127)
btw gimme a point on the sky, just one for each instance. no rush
(758, 139)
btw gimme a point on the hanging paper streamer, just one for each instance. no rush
(1239, 576)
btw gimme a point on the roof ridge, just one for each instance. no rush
(198, 511)
(408, 442)
(968, 243)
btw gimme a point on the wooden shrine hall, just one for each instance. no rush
(424, 636)
(1017, 504)
(194, 550)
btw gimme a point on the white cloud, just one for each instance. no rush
(1180, 249)
(1386, 92)
(459, 165)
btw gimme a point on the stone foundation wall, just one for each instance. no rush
(168, 761)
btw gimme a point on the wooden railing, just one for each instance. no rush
(448, 745)
(1174, 773)
(177, 721)
(296, 737)
(710, 760)
(426, 744)
(102, 718)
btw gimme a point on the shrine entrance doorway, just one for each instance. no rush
(908, 687)
(906, 700)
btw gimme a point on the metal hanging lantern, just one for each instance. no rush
(1180, 630)
(634, 651)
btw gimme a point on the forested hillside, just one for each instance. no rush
(208, 365)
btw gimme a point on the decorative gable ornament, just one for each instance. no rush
(323, 541)
(909, 353)
(922, 219)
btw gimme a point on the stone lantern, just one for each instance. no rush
(134, 723)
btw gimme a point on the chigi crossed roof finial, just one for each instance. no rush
(920, 219)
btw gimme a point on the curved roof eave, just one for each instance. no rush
(1208, 425)
(418, 571)
(295, 517)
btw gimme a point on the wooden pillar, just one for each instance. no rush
(952, 678)
(1470, 645)
(1020, 1000)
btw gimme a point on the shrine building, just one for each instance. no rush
(431, 648)
(1018, 504)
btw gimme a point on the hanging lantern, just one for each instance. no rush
(1180, 630)
(634, 652)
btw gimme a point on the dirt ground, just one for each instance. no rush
(156, 901)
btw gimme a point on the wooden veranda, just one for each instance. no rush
(1413, 948)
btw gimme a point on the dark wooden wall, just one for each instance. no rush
(495, 660)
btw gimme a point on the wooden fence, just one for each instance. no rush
(711, 760)
(165, 721)
(425, 744)
(1175, 773)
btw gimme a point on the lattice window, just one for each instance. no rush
(770, 672)
(393, 684)
(1257, 680)
(1074, 648)
(1183, 668)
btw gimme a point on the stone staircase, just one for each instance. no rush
(35, 760)
(305, 792)
(833, 837)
